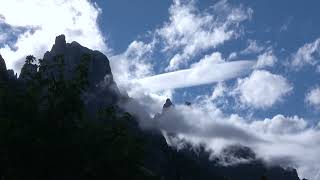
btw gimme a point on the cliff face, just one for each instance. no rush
(99, 68)
(102, 90)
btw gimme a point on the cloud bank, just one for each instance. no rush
(273, 139)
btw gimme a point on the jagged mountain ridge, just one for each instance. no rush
(100, 78)
(161, 159)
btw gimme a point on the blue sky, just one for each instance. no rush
(273, 25)
(250, 67)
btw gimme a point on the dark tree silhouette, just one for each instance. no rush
(30, 59)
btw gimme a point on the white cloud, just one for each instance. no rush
(280, 124)
(306, 55)
(280, 139)
(262, 89)
(127, 67)
(219, 91)
(267, 59)
(190, 31)
(132, 64)
(187, 33)
(209, 60)
(199, 74)
(232, 56)
(44, 20)
(253, 48)
(313, 98)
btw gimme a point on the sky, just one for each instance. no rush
(251, 69)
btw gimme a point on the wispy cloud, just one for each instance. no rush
(253, 47)
(308, 54)
(190, 31)
(313, 98)
(197, 75)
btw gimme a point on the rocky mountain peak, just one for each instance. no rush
(168, 104)
(102, 88)
(59, 45)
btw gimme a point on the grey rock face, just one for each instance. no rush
(3, 70)
(99, 68)
(102, 90)
(168, 104)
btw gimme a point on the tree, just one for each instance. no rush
(30, 59)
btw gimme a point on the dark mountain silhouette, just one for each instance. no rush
(3, 70)
(61, 120)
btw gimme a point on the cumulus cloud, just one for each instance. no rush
(42, 21)
(306, 55)
(313, 98)
(190, 31)
(267, 59)
(262, 89)
(280, 124)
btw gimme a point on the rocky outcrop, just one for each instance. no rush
(3, 70)
(102, 90)
(71, 53)
(167, 104)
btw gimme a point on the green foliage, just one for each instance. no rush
(45, 132)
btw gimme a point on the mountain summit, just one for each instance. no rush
(102, 90)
